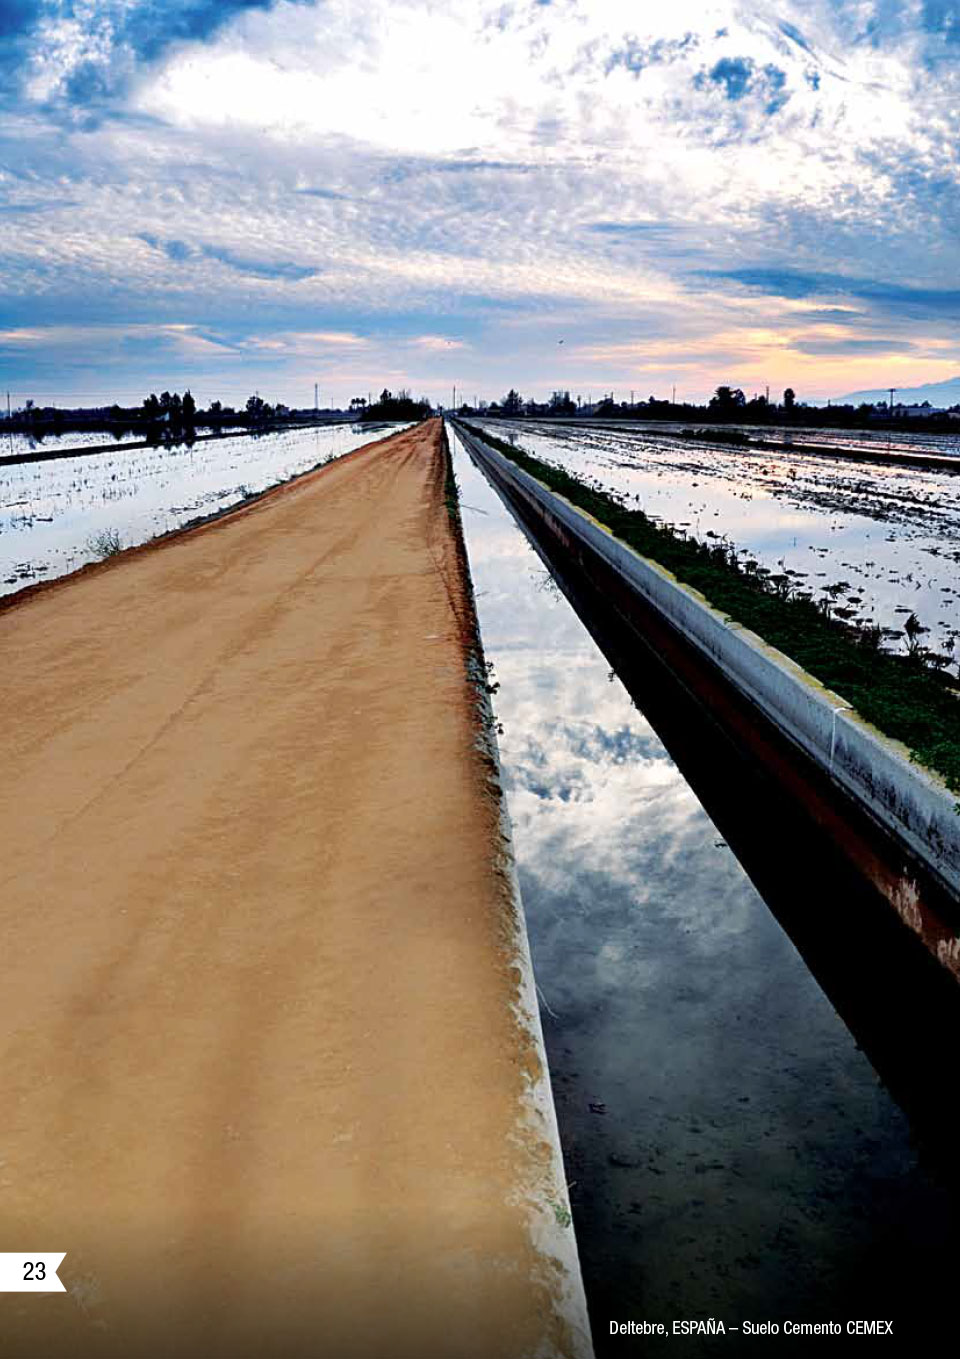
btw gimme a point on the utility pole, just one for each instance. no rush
(316, 397)
(891, 390)
(673, 401)
(454, 406)
(631, 398)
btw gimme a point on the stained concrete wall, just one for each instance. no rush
(910, 802)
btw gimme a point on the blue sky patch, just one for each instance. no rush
(359, 190)
(734, 74)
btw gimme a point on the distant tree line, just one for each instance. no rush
(175, 416)
(390, 407)
(167, 417)
(727, 405)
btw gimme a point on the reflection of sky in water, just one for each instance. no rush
(891, 533)
(874, 440)
(50, 511)
(741, 1158)
(15, 445)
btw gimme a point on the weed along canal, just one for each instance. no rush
(751, 1055)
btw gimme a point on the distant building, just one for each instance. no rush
(923, 411)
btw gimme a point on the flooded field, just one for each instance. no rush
(18, 445)
(876, 543)
(55, 516)
(876, 441)
(731, 1151)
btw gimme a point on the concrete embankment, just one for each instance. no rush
(911, 805)
(272, 1072)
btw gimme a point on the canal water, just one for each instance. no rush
(731, 1151)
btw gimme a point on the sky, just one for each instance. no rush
(585, 195)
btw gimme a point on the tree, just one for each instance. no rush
(789, 399)
(512, 403)
(188, 408)
(390, 407)
(561, 404)
(727, 401)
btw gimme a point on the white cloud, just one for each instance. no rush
(312, 173)
(437, 343)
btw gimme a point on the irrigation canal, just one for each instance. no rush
(726, 1007)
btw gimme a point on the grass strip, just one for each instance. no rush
(905, 697)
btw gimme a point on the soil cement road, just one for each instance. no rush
(266, 1077)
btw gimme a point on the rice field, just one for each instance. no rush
(877, 543)
(57, 516)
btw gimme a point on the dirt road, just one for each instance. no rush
(264, 1077)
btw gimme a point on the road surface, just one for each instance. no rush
(263, 1077)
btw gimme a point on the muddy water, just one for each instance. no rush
(879, 543)
(732, 1151)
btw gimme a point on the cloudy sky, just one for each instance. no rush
(231, 195)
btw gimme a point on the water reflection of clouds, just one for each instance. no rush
(732, 1150)
(600, 811)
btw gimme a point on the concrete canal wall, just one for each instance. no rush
(909, 802)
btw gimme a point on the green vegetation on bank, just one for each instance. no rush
(905, 696)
